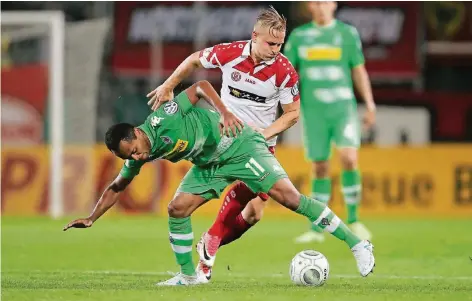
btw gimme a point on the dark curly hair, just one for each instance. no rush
(118, 132)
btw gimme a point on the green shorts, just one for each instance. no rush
(251, 163)
(322, 128)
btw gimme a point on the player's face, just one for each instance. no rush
(267, 44)
(137, 149)
(322, 11)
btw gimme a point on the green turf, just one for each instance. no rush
(121, 259)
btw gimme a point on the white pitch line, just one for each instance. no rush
(249, 276)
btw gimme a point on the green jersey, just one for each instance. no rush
(324, 57)
(180, 131)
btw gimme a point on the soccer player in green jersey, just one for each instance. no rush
(328, 56)
(178, 130)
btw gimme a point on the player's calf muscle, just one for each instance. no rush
(284, 193)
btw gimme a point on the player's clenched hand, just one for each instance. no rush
(79, 223)
(229, 122)
(369, 119)
(158, 96)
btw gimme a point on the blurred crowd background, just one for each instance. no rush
(418, 55)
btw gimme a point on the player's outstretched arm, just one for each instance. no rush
(107, 200)
(288, 119)
(164, 92)
(203, 89)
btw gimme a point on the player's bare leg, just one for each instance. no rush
(254, 210)
(181, 238)
(351, 189)
(321, 190)
(318, 213)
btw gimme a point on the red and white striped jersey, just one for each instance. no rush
(252, 92)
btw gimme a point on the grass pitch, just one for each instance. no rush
(121, 258)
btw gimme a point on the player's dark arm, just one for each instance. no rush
(361, 80)
(107, 200)
(288, 119)
(203, 89)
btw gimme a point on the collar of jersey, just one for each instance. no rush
(151, 139)
(329, 26)
(247, 53)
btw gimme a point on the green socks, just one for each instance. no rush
(351, 188)
(181, 240)
(320, 215)
(321, 190)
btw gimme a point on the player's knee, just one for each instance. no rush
(349, 159)
(321, 169)
(177, 210)
(254, 211)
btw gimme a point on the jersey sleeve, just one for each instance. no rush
(216, 56)
(356, 57)
(183, 102)
(290, 50)
(289, 90)
(131, 168)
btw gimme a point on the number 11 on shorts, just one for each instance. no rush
(254, 167)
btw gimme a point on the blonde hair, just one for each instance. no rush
(271, 19)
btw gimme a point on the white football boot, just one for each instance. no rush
(180, 279)
(364, 254)
(206, 249)
(310, 236)
(361, 231)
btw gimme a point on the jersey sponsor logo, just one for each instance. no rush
(236, 76)
(246, 95)
(180, 146)
(248, 80)
(294, 89)
(155, 121)
(166, 140)
(325, 53)
(171, 108)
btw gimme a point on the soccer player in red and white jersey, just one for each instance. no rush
(256, 78)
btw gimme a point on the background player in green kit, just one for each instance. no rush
(178, 130)
(328, 56)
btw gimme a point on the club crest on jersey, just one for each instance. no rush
(236, 76)
(166, 140)
(295, 89)
(171, 108)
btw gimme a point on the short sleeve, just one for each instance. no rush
(356, 57)
(214, 57)
(131, 168)
(183, 102)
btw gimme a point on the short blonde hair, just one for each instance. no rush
(271, 19)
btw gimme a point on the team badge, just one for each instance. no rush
(171, 108)
(166, 140)
(236, 76)
(295, 89)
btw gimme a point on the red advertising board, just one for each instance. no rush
(24, 99)
(179, 24)
(389, 33)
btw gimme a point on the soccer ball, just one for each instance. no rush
(310, 268)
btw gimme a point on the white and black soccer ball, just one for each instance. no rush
(310, 268)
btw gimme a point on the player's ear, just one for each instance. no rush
(254, 36)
